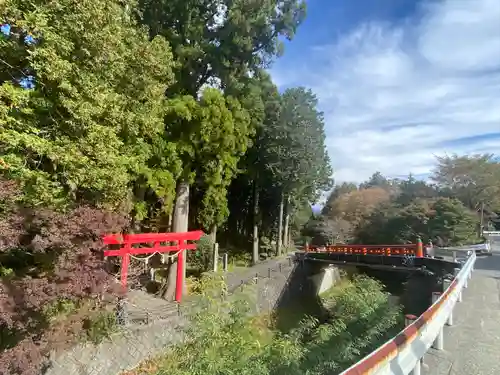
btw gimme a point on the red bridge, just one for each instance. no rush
(416, 249)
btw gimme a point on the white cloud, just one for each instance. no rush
(395, 96)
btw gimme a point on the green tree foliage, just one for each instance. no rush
(323, 230)
(121, 112)
(299, 220)
(376, 180)
(452, 223)
(295, 150)
(278, 167)
(92, 124)
(211, 134)
(221, 41)
(444, 221)
(295, 153)
(338, 190)
(411, 189)
(254, 190)
(472, 179)
(222, 44)
(445, 212)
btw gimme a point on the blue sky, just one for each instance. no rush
(399, 81)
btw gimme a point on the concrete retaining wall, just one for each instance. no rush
(326, 279)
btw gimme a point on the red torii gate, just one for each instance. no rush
(127, 240)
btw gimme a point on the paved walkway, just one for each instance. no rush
(472, 344)
(145, 308)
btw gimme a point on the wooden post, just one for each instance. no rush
(216, 256)
(225, 262)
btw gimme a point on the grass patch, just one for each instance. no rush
(60, 309)
(100, 326)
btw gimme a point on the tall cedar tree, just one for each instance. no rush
(295, 152)
(216, 43)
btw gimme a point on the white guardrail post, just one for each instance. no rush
(438, 343)
(404, 353)
(409, 320)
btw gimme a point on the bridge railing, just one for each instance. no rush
(403, 354)
(416, 249)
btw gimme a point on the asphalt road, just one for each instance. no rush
(472, 344)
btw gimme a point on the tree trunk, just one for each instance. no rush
(286, 240)
(255, 238)
(169, 222)
(213, 233)
(180, 224)
(280, 228)
(481, 222)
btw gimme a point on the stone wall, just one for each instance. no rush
(275, 282)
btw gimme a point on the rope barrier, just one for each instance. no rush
(156, 252)
(145, 258)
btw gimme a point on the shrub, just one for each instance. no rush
(50, 260)
(224, 340)
(59, 308)
(360, 319)
(100, 327)
(202, 258)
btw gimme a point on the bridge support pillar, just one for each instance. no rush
(326, 279)
(409, 319)
(438, 343)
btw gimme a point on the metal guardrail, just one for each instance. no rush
(403, 353)
(479, 247)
